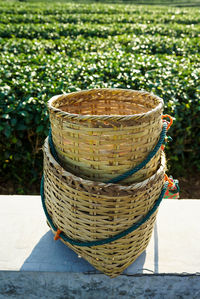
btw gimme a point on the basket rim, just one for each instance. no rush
(105, 117)
(116, 187)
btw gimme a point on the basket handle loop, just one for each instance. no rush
(109, 239)
(133, 170)
(170, 120)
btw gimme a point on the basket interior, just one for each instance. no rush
(106, 103)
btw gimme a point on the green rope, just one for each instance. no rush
(145, 161)
(129, 172)
(115, 180)
(107, 240)
(52, 148)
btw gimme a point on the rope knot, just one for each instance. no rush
(173, 187)
(170, 122)
(57, 235)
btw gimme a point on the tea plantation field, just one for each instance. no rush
(51, 48)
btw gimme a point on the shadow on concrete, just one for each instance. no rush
(54, 256)
(50, 255)
(138, 266)
(156, 256)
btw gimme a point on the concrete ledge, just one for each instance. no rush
(29, 257)
(83, 286)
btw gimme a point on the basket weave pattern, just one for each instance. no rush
(88, 210)
(99, 134)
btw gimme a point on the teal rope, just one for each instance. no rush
(145, 161)
(129, 172)
(52, 148)
(107, 240)
(115, 180)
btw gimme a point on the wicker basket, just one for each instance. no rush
(101, 133)
(87, 210)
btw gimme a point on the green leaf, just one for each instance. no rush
(39, 129)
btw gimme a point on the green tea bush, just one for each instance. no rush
(46, 51)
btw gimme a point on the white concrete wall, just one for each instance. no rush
(33, 265)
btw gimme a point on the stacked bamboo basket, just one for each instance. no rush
(98, 135)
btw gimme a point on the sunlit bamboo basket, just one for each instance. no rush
(88, 210)
(101, 133)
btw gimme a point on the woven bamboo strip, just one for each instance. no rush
(88, 210)
(100, 133)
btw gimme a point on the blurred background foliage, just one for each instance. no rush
(47, 48)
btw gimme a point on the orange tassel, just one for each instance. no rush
(170, 120)
(57, 235)
(169, 181)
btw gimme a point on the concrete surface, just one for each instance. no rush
(28, 285)
(29, 256)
